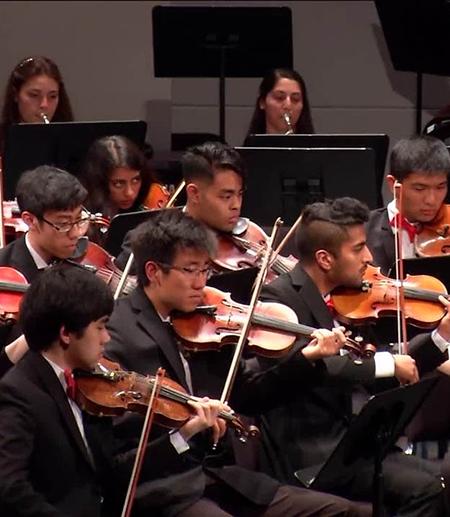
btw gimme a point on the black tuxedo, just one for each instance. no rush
(16, 255)
(380, 240)
(45, 468)
(304, 433)
(140, 341)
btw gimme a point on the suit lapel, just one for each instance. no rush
(309, 302)
(22, 260)
(387, 238)
(149, 320)
(53, 386)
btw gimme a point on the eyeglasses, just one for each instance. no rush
(81, 224)
(192, 272)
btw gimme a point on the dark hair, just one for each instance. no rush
(419, 154)
(324, 226)
(258, 121)
(25, 70)
(62, 295)
(48, 188)
(159, 239)
(200, 162)
(105, 155)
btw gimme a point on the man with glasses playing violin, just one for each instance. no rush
(332, 249)
(55, 459)
(51, 204)
(172, 256)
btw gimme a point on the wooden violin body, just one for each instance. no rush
(378, 297)
(110, 391)
(244, 247)
(434, 238)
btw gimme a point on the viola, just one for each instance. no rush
(244, 247)
(434, 237)
(111, 391)
(377, 297)
(218, 321)
(103, 264)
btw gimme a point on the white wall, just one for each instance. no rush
(104, 50)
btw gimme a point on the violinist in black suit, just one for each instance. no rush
(172, 253)
(331, 245)
(421, 164)
(55, 460)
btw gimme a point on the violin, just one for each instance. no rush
(244, 247)
(377, 297)
(13, 285)
(110, 391)
(157, 197)
(103, 263)
(434, 237)
(274, 327)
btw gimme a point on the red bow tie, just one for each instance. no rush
(71, 389)
(330, 304)
(404, 224)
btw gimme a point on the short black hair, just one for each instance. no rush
(419, 154)
(62, 295)
(324, 226)
(202, 161)
(48, 188)
(165, 233)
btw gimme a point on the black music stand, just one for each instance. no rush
(238, 283)
(369, 438)
(417, 34)
(62, 144)
(378, 142)
(281, 181)
(220, 42)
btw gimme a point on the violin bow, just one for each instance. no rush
(251, 309)
(131, 492)
(284, 240)
(399, 272)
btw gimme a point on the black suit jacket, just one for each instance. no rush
(140, 341)
(304, 432)
(45, 468)
(380, 240)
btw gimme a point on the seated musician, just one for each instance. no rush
(332, 250)
(51, 204)
(172, 253)
(117, 178)
(35, 92)
(56, 460)
(421, 164)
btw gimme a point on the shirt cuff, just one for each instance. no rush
(178, 442)
(384, 364)
(439, 341)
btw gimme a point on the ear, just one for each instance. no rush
(64, 337)
(262, 104)
(151, 271)
(324, 259)
(29, 219)
(390, 180)
(193, 193)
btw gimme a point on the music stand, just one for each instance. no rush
(439, 266)
(220, 42)
(281, 181)
(62, 144)
(238, 283)
(378, 142)
(369, 437)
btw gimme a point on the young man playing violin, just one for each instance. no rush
(173, 253)
(55, 460)
(332, 248)
(421, 164)
(51, 204)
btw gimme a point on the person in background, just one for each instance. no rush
(117, 178)
(35, 93)
(282, 93)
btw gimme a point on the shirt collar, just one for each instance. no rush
(38, 260)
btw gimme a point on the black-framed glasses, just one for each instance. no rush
(81, 224)
(193, 272)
